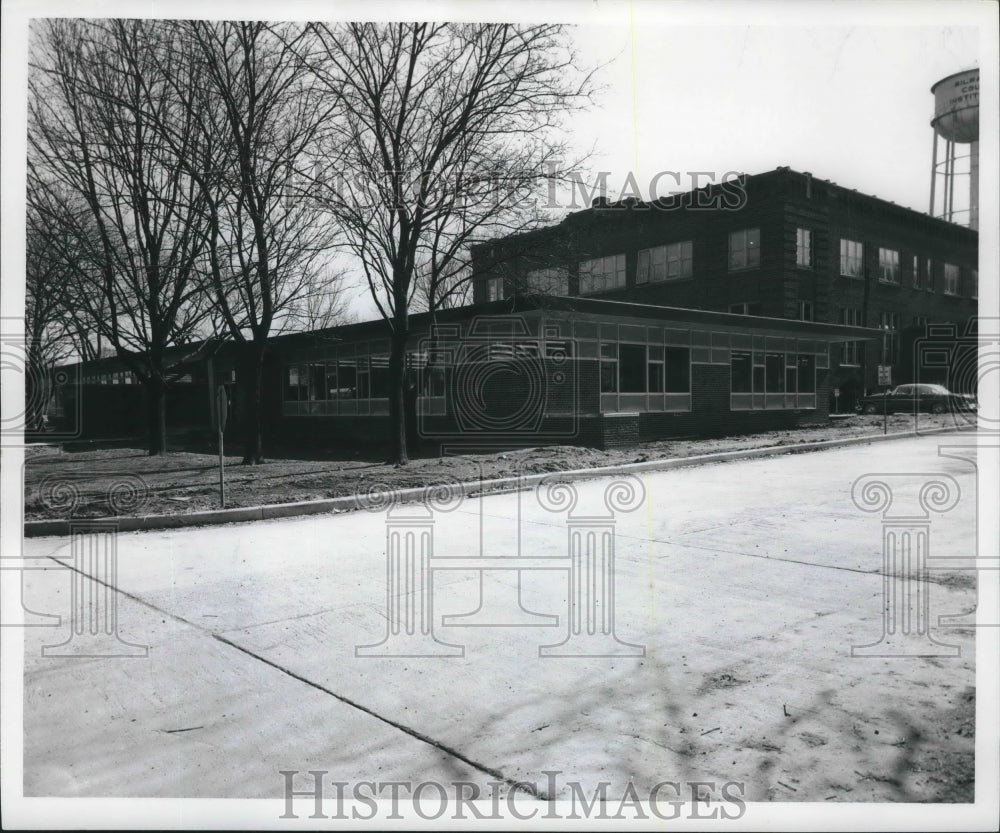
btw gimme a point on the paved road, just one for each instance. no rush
(745, 586)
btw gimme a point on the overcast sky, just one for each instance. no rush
(848, 103)
(839, 89)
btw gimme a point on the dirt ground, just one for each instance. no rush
(126, 481)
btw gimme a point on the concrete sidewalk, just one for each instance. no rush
(745, 584)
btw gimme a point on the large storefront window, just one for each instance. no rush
(642, 368)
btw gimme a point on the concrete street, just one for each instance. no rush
(746, 583)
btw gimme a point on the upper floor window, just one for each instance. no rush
(888, 265)
(974, 279)
(851, 258)
(805, 311)
(915, 272)
(494, 289)
(602, 273)
(950, 279)
(663, 263)
(803, 247)
(744, 249)
(745, 308)
(551, 281)
(929, 275)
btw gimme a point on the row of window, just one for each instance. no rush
(675, 261)
(852, 352)
(332, 380)
(644, 368)
(805, 309)
(922, 273)
(760, 372)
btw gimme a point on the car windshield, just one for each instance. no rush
(931, 390)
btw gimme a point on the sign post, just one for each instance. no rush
(222, 413)
(885, 380)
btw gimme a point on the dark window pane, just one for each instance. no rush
(774, 364)
(609, 377)
(678, 370)
(632, 368)
(317, 381)
(380, 377)
(741, 372)
(655, 378)
(807, 374)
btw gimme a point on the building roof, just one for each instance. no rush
(610, 208)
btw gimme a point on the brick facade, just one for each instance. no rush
(777, 203)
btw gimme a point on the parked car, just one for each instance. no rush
(909, 398)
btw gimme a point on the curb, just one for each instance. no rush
(382, 500)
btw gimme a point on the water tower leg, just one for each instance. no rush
(934, 172)
(974, 186)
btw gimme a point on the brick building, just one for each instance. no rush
(782, 244)
(511, 373)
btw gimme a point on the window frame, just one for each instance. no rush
(888, 266)
(951, 279)
(587, 266)
(803, 248)
(746, 247)
(847, 259)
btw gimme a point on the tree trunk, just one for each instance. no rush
(397, 402)
(156, 398)
(249, 378)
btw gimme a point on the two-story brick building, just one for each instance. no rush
(782, 244)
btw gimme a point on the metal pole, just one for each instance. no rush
(222, 475)
(885, 391)
(934, 169)
(222, 413)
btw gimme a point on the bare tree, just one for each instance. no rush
(322, 306)
(47, 323)
(119, 196)
(439, 127)
(255, 119)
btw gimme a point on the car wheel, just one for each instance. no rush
(938, 408)
(870, 409)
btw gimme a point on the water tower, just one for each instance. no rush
(956, 121)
